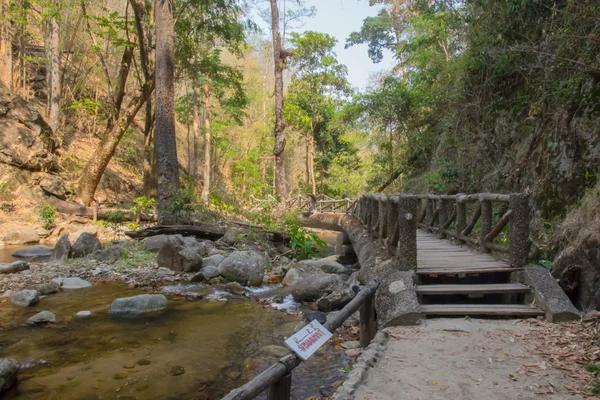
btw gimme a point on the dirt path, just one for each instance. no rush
(460, 359)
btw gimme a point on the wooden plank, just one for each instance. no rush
(473, 289)
(456, 271)
(481, 309)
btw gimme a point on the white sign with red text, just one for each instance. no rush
(308, 340)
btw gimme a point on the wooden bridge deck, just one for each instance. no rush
(439, 260)
(437, 256)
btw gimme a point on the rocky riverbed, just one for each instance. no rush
(227, 295)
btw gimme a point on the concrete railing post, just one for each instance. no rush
(383, 204)
(443, 217)
(486, 224)
(461, 217)
(407, 232)
(519, 243)
(392, 224)
(374, 216)
(429, 207)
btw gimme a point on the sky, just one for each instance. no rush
(339, 18)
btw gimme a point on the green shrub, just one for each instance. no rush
(47, 215)
(304, 242)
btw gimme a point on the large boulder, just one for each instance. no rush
(42, 318)
(26, 140)
(33, 251)
(142, 305)
(206, 273)
(243, 267)
(85, 244)
(316, 286)
(214, 260)
(11, 268)
(61, 251)
(91, 229)
(54, 186)
(20, 235)
(71, 283)
(8, 373)
(155, 243)
(45, 289)
(327, 266)
(25, 298)
(176, 256)
(110, 254)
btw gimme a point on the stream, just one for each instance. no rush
(198, 349)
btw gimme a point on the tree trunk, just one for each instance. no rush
(196, 129)
(54, 70)
(310, 162)
(207, 149)
(22, 71)
(91, 175)
(6, 64)
(279, 149)
(165, 143)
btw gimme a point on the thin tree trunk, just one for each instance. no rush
(279, 149)
(207, 149)
(6, 63)
(196, 129)
(54, 71)
(94, 170)
(311, 162)
(165, 143)
(122, 79)
(149, 165)
(22, 72)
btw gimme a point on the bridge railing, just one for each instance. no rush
(323, 203)
(393, 220)
(485, 215)
(278, 377)
(460, 216)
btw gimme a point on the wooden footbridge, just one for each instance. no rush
(467, 251)
(449, 255)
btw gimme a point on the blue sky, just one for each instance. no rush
(339, 18)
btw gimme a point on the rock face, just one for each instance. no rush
(8, 373)
(61, 250)
(71, 283)
(54, 186)
(10, 268)
(327, 266)
(315, 286)
(243, 267)
(108, 255)
(26, 140)
(20, 235)
(145, 304)
(85, 244)
(43, 317)
(206, 273)
(175, 256)
(91, 229)
(25, 298)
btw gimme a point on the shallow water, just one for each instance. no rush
(7, 250)
(220, 345)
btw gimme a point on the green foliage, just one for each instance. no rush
(594, 369)
(304, 242)
(546, 264)
(5, 192)
(47, 215)
(133, 226)
(142, 204)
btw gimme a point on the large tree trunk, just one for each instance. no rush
(165, 143)
(54, 70)
(196, 129)
(91, 175)
(279, 149)
(207, 158)
(6, 64)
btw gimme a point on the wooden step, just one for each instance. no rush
(473, 289)
(464, 270)
(522, 310)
